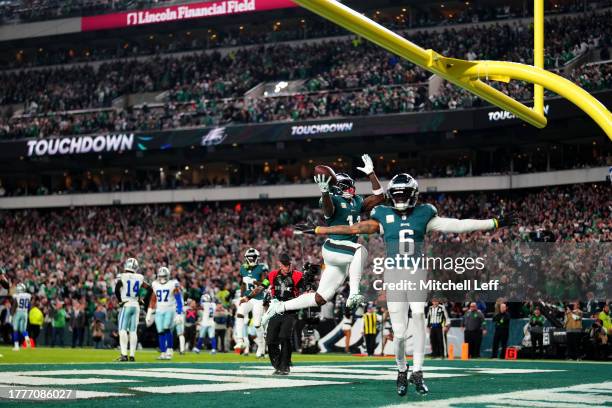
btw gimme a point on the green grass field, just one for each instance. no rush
(325, 380)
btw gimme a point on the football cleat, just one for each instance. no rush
(213, 352)
(196, 350)
(276, 307)
(16, 348)
(162, 356)
(402, 383)
(354, 300)
(416, 378)
(132, 359)
(122, 358)
(239, 346)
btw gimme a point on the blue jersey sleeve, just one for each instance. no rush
(179, 302)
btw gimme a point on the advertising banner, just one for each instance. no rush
(335, 128)
(180, 12)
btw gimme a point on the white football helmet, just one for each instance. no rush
(163, 274)
(403, 190)
(20, 288)
(131, 265)
(205, 298)
(251, 256)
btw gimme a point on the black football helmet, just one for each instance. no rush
(403, 191)
(345, 186)
(251, 256)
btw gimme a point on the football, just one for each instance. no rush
(327, 171)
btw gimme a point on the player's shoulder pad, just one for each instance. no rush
(265, 267)
(379, 210)
(433, 209)
(428, 208)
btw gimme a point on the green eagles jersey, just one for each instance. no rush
(346, 212)
(403, 234)
(250, 275)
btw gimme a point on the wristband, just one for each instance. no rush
(316, 230)
(378, 191)
(495, 223)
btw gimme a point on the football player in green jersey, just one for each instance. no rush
(342, 253)
(403, 226)
(253, 274)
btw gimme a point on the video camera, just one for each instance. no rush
(311, 271)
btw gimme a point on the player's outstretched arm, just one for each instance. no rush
(363, 227)
(326, 201)
(378, 193)
(454, 225)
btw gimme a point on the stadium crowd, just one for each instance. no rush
(341, 78)
(68, 258)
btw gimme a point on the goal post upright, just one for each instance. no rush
(468, 74)
(538, 53)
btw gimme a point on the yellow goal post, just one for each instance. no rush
(468, 74)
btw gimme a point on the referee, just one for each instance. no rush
(437, 322)
(370, 319)
(285, 284)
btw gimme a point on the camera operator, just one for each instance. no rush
(285, 283)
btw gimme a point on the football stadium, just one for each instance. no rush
(277, 203)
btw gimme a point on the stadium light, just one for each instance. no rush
(468, 74)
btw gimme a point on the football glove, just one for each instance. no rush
(150, 319)
(506, 220)
(178, 319)
(322, 182)
(306, 228)
(368, 166)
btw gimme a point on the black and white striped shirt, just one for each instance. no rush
(437, 316)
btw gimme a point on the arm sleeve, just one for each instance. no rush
(446, 318)
(459, 226)
(4, 284)
(271, 277)
(118, 286)
(298, 280)
(179, 301)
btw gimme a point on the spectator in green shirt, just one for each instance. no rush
(536, 330)
(606, 319)
(58, 324)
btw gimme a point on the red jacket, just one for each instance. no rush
(296, 277)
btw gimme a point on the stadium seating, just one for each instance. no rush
(342, 78)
